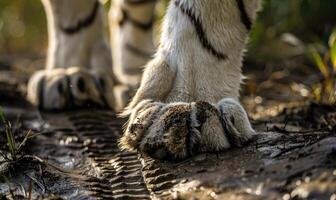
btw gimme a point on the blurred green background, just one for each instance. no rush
(293, 42)
(23, 25)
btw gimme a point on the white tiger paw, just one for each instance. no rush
(61, 88)
(180, 130)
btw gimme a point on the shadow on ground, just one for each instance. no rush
(76, 156)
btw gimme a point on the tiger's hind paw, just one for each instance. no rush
(61, 88)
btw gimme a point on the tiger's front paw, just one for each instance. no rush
(61, 88)
(180, 130)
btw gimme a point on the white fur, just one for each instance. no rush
(84, 54)
(184, 71)
(181, 74)
(87, 48)
(123, 59)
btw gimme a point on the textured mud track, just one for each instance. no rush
(285, 161)
(275, 165)
(107, 172)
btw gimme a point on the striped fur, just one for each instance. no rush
(180, 130)
(201, 33)
(131, 28)
(187, 101)
(82, 23)
(193, 82)
(78, 52)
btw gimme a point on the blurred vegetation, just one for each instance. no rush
(309, 20)
(23, 25)
(325, 91)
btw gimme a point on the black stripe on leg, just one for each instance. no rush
(243, 15)
(138, 51)
(145, 26)
(139, 2)
(83, 23)
(200, 31)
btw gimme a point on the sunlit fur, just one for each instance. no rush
(184, 71)
(128, 65)
(87, 48)
(188, 99)
(87, 51)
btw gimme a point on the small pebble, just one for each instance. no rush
(286, 197)
(298, 183)
(307, 179)
(213, 194)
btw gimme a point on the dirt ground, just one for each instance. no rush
(75, 154)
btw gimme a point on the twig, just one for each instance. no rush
(281, 130)
(4, 155)
(30, 189)
(71, 173)
(288, 150)
(27, 136)
(37, 182)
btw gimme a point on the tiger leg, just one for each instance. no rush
(79, 66)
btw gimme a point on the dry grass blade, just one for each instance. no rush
(30, 189)
(9, 135)
(324, 92)
(319, 61)
(2, 115)
(26, 138)
(13, 147)
(10, 141)
(4, 156)
(332, 46)
(38, 183)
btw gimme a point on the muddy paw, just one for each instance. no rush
(140, 121)
(179, 130)
(72, 87)
(170, 135)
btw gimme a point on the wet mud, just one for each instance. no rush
(76, 156)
